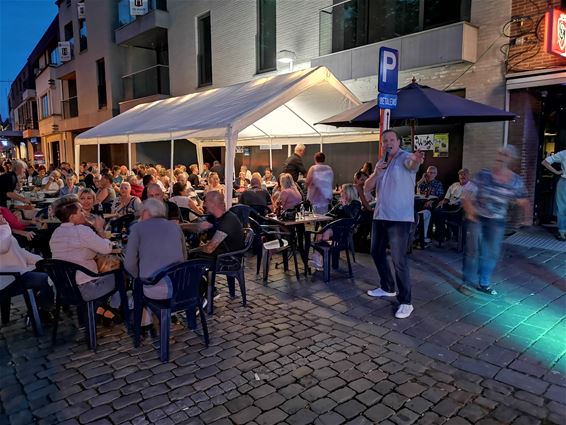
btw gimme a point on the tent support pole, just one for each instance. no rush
(77, 157)
(230, 139)
(129, 154)
(301, 118)
(98, 155)
(200, 158)
(271, 154)
(172, 153)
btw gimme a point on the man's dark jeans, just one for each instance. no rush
(394, 234)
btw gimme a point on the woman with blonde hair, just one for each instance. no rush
(87, 199)
(289, 196)
(214, 184)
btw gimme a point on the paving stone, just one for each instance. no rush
(293, 405)
(379, 413)
(522, 381)
(214, 414)
(274, 416)
(302, 417)
(330, 418)
(404, 417)
(332, 384)
(291, 391)
(394, 400)
(239, 403)
(418, 404)
(323, 405)
(447, 407)
(126, 414)
(270, 401)
(245, 415)
(410, 389)
(95, 413)
(262, 391)
(350, 409)
(369, 397)
(341, 395)
(472, 412)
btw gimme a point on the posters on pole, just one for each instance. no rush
(139, 7)
(64, 51)
(81, 11)
(438, 143)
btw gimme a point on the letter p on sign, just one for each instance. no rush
(388, 75)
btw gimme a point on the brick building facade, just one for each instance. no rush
(536, 92)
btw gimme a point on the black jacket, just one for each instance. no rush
(294, 166)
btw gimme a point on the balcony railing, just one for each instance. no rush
(124, 17)
(147, 82)
(355, 23)
(70, 107)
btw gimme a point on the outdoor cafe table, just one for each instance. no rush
(297, 231)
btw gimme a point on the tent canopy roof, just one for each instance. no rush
(268, 108)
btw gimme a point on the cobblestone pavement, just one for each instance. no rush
(305, 352)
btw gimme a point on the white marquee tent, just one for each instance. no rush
(281, 109)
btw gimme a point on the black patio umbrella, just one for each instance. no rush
(423, 105)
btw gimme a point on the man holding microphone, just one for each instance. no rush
(394, 183)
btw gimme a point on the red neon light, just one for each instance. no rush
(555, 32)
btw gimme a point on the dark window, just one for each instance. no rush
(101, 83)
(83, 44)
(54, 57)
(266, 40)
(71, 104)
(360, 22)
(70, 37)
(204, 56)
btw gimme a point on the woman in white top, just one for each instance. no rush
(183, 200)
(76, 242)
(14, 258)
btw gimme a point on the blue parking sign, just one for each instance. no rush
(388, 76)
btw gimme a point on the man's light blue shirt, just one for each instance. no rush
(395, 191)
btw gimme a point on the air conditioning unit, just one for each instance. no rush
(55, 127)
(51, 82)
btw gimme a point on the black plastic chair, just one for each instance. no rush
(272, 239)
(243, 213)
(231, 265)
(119, 223)
(63, 274)
(454, 221)
(185, 281)
(330, 250)
(29, 298)
(188, 215)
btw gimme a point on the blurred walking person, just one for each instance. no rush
(485, 203)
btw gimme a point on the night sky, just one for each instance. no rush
(22, 23)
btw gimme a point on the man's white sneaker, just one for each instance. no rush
(378, 292)
(404, 311)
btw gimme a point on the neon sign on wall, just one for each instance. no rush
(555, 32)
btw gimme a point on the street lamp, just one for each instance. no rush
(286, 56)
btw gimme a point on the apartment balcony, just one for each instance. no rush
(28, 94)
(49, 125)
(147, 82)
(30, 132)
(447, 44)
(70, 107)
(147, 31)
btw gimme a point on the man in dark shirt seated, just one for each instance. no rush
(228, 230)
(154, 191)
(256, 197)
(193, 177)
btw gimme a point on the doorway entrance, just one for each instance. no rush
(55, 154)
(552, 139)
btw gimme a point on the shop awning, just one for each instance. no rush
(273, 109)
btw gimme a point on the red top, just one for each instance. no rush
(137, 190)
(13, 221)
